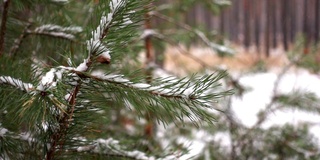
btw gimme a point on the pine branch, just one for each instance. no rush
(61, 35)
(170, 88)
(49, 30)
(94, 47)
(111, 147)
(26, 87)
(172, 98)
(60, 1)
(300, 100)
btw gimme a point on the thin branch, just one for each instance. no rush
(111, 148)
(27, 87)
(4, 24)
(186, 53)
(18, 41)
(195, 31)
(60, 35)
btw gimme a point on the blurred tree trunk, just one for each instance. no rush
(267, 33)
(305, 27)
(284, 23)
(292, 19)
(246, 6)
(273, 13)
(257, 22)
(317, 21)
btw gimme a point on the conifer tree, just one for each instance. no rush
(70, 87)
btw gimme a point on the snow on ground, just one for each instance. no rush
(245, 109)
(261, 85)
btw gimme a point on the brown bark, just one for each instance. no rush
(4, 24)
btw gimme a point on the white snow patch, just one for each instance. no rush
(27, 136)
(16, 82)
(98, 73)
(147, 33)
(141, 85)
(247, 107)
(106, 54)
(67, 97)
(195, 146)
(3, 131)
(223, 138)
(120, 80)
(83, 66)
(61, 1)
(48, 78)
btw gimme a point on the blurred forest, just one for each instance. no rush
(264, 24)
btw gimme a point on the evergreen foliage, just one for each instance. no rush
(66, 91)
(72, 87)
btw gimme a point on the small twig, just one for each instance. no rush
(3, 24)
(171, 20)
(69, 37)
(92, 149)
(18, 41)
(195, 31)
(186, 53)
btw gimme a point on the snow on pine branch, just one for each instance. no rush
(57, 28)
(215, 46)
(24, 136)
(171, 87)
(60, 1)
(48, 81)
(52, 77)
(95, 45)
(3, 131)
(27, 87)
(111, 147)
(57, 31)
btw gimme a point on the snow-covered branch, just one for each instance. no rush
(27, 87)
(95, 45)
(111, 147)
(61, 35)
(56, 31)
(60, 1)
(213, 45)
(169, 87)
(24, 136)
(50, 79)
(57, 28)
(3, 131)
